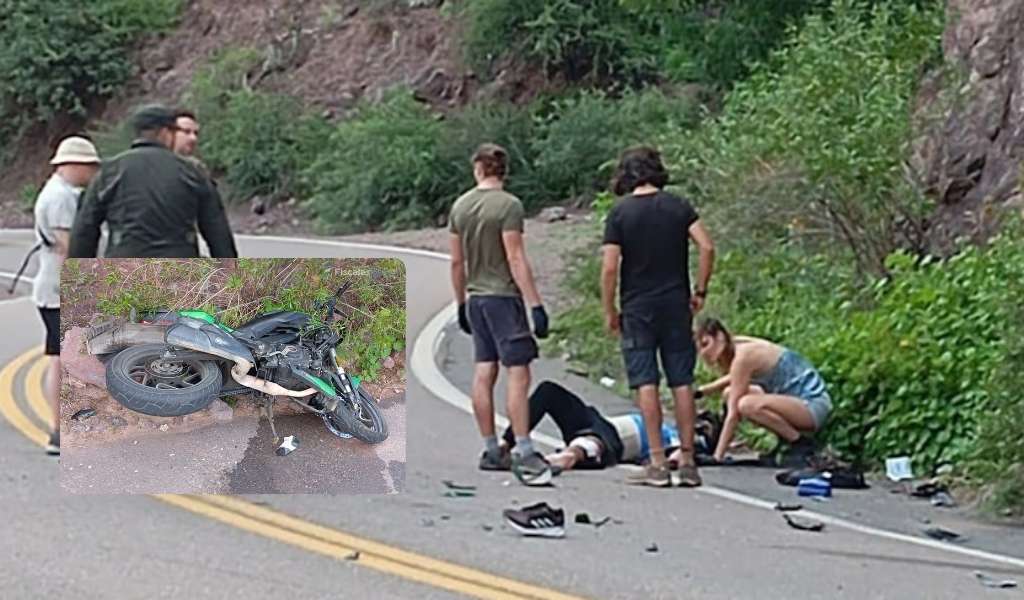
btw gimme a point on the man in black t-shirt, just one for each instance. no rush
(646, 240)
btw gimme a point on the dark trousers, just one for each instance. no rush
(574, 419)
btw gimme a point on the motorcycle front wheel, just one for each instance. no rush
(365, 422)
(142, 380)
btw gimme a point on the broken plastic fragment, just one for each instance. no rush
(288, 445)
(803, 524)
(83, 414)
(607, 382)
(994, 583)
(943, 535)
(448, 483)
(779, 506)
(652, 548)
(459, 494)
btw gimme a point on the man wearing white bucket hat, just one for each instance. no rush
(76, 163)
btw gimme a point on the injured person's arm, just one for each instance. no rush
(585, 451)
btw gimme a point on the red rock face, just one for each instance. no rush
(971, 160)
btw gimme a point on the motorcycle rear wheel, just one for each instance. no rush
(140, 379)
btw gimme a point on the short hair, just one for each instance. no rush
(186, 113)
(493, 159)
(638, 166)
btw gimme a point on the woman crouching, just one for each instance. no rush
(766, 383)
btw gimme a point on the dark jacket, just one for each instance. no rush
(152, 201)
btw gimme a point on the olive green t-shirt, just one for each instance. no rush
(479, 217)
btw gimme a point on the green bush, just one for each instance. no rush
(816, 138)
(259, 141)
(595, 40)
(57, 57)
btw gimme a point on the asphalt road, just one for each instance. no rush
(709, 545)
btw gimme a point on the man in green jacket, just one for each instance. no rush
(152, 201)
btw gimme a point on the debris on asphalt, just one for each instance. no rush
(352, 556)
(991, 582)
(448, 483)
(459, 494)
(927, 489)
(584, 519)
(288, 445)
(779, 506)
(164, 427)
(803, 524)
(427, 522)
(814, 487)
(445, 517)
(943, 535)
(652, 548)
(83, 414)
(943, 499)
(487, 527)
(607, 382)
(898, 468)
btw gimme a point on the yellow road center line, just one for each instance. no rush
(278, 526)
(8, 406)
(34, 390)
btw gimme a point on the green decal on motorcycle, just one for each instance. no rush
(355, 381)
(323, 385)
(205, 316)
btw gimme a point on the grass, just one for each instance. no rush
(237, 290)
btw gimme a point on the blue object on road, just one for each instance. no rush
(814, 486)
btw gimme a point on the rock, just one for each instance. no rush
(258, 205)
(969, 161)
(78, 364)
(389, 363)
(220, 410)
(164, 427)
(552, 214)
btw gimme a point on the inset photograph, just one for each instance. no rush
(233, 376)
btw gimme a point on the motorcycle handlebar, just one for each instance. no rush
(334, 299)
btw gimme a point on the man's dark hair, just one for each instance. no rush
(493, 158)
(185, 112)
(638, 166)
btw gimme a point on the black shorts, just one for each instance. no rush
(51, 318)
(648, 333)
(501, 331)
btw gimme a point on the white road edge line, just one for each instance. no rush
(425, 369)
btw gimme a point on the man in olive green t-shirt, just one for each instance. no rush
(489, 264)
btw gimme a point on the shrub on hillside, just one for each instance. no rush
(58, 56)
(816, 138)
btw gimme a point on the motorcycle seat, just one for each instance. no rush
(280, 322)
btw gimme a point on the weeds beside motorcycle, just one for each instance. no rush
(176, 363)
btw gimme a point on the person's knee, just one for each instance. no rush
(749, 405)
(486, 373)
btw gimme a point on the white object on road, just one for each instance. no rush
(607, 382)
(898, 468)
(289, 444)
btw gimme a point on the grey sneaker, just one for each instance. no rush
(652, 475)
(53, 446)
(532, 470)
(502, 462)
(689, 476)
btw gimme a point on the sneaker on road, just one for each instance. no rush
(652, 475)
(532, 470)
(501, 462)
(689, 476)
(53, 446)
(537, 520)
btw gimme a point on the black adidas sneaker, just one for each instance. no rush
(537, 520)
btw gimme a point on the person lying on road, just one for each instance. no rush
(593, 441)
(770, 385)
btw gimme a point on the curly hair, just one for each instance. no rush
(638, 166)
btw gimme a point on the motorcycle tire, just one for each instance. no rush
(166, 395)
(344, 420)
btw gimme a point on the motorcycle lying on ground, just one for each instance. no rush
(283, 353)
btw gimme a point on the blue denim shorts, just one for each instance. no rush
(795, 376)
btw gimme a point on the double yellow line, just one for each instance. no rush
(279, 526)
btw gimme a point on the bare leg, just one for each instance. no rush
(650, 408)
(786, 416)
(484, 377)
(517, 405)
(686, 420)
(53, 390)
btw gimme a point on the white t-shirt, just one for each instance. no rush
(55, 209)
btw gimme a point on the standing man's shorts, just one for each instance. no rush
(648, 333)
(501, 331)
(51, 318)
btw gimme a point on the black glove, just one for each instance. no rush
(540, 321)
(464, 319)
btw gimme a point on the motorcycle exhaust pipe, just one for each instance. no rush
(240, 373)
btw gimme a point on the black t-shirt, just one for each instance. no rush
(653, 232)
